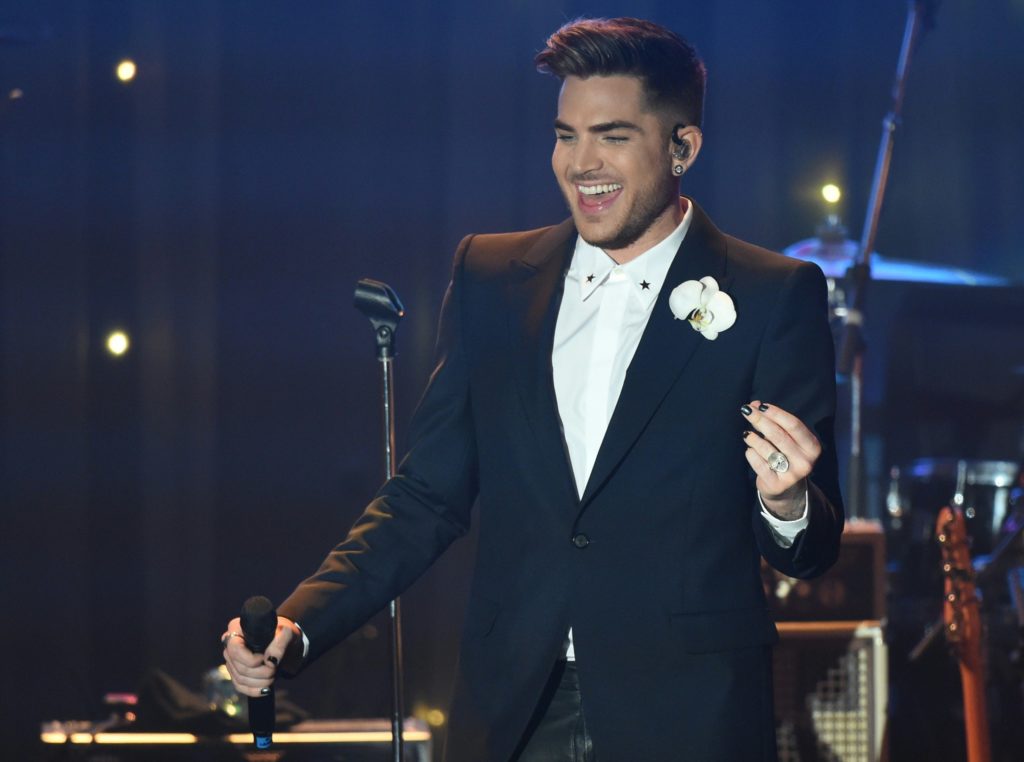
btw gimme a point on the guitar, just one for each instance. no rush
(961, 615)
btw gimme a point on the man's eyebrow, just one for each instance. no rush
(619, 124)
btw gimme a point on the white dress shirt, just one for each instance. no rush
(605, 308)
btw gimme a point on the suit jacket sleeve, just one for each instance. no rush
(415, 515)
(796, 371)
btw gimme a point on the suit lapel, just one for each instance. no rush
(535, 294)
(665, 349)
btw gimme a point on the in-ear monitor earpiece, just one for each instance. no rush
(683, 150)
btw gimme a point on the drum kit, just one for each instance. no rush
(990, 492)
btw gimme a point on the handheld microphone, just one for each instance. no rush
(259, 624)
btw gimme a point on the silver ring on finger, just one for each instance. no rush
(227, 636)
(778, 462)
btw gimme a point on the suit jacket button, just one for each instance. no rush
(580, 540)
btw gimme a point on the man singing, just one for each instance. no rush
(643, 406)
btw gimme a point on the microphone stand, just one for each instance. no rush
(920, 13)
(381, 305)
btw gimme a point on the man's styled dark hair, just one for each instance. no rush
(672, 73)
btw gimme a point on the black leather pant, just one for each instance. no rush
(558, 730)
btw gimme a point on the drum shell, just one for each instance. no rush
(981, 488)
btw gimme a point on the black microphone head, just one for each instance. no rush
(259, 623)
(378, 300)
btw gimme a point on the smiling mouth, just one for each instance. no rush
(598, 190)
(595, 199)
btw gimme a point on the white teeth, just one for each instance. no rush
(594, 190)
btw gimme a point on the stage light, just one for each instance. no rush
(435, 718)
(126, 70)
(831, 193)
(118, 343)
(16, 94)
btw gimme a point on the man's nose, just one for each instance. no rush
(586, 157)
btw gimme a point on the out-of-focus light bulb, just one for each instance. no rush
(126, 70)
(118, 343)
(831, 193)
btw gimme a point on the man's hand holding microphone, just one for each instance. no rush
(253, 673)
(255, 645)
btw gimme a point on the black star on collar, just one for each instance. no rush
(590, 279)
(645, 285)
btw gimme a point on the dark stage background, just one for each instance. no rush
(221, 206)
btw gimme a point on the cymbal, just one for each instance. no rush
(835, 257)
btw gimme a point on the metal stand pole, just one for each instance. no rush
(381, 305)
(394, 608)
(851, 354)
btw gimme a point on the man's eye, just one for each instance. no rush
(564, 138)
(616, 139)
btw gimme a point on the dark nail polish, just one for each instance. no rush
(747, 433)
(746, 410)
(264, 691)
(272, 660)
(762, 407)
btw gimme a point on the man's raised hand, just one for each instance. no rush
(782, 451)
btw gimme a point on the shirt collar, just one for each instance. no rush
(591, 266)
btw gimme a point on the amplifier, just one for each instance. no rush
(852, 590)
(831, 689)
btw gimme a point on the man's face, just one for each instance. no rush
(612, 161)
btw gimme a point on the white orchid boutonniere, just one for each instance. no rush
(708, 310)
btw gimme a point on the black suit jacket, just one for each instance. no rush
(656, 566)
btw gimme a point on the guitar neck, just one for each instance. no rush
(972, 680)
(962, 617)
